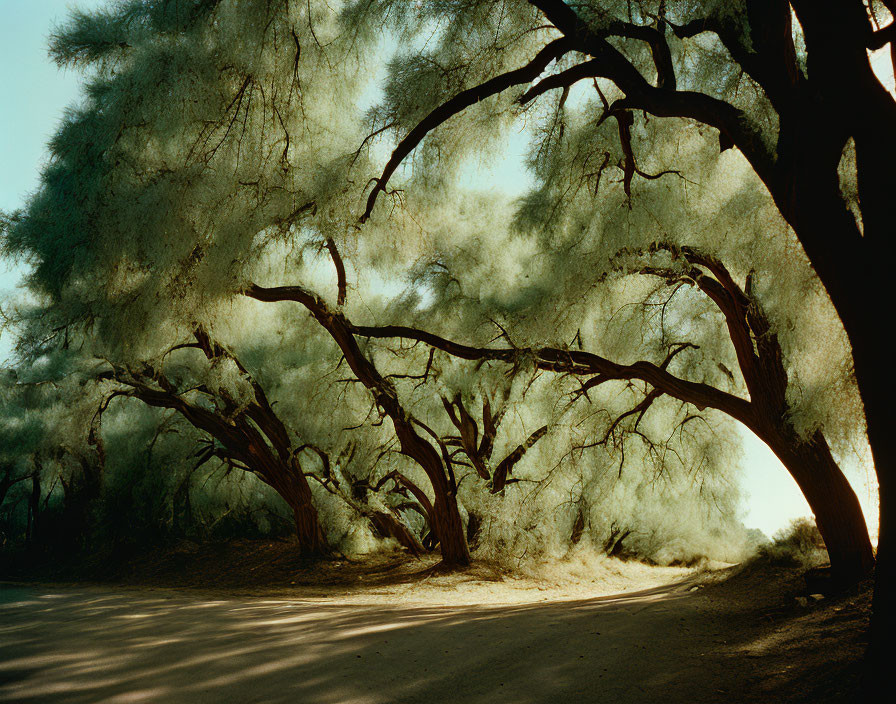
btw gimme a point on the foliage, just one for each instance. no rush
(222, 144)
(800, 544)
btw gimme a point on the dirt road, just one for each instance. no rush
(668, 644)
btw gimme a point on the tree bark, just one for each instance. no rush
(445, 519)
(874, 376)
(450, 530)
(838, 513)
(291, 483)
(268, 455)
(310, 534)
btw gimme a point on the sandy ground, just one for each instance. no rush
(718, 636)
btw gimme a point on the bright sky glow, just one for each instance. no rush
(37, 94)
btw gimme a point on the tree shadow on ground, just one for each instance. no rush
(667, 644)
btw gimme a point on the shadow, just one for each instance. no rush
(665, 644)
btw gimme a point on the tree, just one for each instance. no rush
(52, 457)
(760, 361)
(442, 513)
(813, 129)
(238, 415)
(226, 183)
(152, 221)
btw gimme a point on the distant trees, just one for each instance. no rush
(52, 459)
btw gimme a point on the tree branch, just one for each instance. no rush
(663, 101)
(459, 103)
(508, 463)
(580, 363)
(340, 270)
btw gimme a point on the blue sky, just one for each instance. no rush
(36, 91)
(36, 94)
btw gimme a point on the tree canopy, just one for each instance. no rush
(260, 218)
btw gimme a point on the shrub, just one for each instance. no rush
(799, 544)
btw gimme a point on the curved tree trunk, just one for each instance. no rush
(310, 535)
(255, 439)
(855, 278)
(450, 530)
(838, 513)
(850, 257)
(445, 519)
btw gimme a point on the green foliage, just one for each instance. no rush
(801, 544)
(222, 143)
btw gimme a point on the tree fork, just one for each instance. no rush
(446, 521)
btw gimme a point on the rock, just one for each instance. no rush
(802, 601)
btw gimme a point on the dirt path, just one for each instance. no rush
(667, 644)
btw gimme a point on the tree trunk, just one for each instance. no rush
(450, 530)
(445, 519)
(32, 525)
(883, 621)
(310, 534)
(248, 439)
(875, 383)
(445, 516)
(838, 513)
(293, 486)
(857, 296)
(848, 100)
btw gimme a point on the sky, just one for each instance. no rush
(36, 95)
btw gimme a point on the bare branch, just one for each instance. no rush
(508, 463)
(459, 103)
(661, 100)
(340, 270)
(577, 362)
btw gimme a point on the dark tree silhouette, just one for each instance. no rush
(249, 437)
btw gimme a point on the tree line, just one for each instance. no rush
(259, 219)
